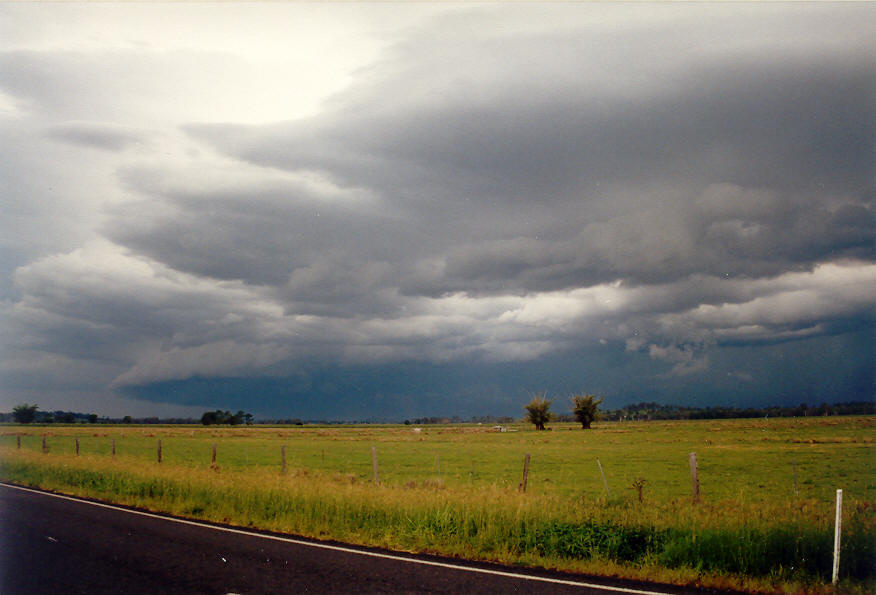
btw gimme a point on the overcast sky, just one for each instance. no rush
(379, 210)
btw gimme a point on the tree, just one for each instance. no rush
(127, 419)
(219, 417)
(586, 409)
(24, 413)
(92, 418)
(538, 411)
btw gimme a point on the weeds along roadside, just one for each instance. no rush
(759, 545)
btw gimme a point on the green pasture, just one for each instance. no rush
(757, 459)
(764, 521)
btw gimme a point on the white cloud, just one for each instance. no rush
(776, 308)
(683, 357)
(221, 358)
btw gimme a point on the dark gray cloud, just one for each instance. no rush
(729, 160)
(629, 197)
(256, 232)
(774, 375)
(518, 120)
(523, 169)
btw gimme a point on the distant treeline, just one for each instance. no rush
(74, 417)
(633, 412)
(55, 417)
(219, 417)
(656, 411)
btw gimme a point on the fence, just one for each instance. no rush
(392, 462)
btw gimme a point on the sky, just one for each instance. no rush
(383, 211)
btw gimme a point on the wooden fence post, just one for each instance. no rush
(159, 450)
(283, 456)
(605, 483)
(374, 464)
(525, 474)
(213, 462)
(77, 447)
(837, 530)
(114, 446)
(18, 440)
(45, 447)
(795, 477)
(694, 476)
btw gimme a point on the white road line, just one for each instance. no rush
(347, 550)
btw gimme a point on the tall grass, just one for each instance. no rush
(781, 545)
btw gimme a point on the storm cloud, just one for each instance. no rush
(646, 201)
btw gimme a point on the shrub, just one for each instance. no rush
(538, 411)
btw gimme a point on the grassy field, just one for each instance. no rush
(764, 521)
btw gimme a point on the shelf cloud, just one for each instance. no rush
(437, 210)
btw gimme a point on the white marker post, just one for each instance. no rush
(836, 535)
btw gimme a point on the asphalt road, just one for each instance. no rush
(51, 544)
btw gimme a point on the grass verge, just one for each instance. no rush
(779, 547)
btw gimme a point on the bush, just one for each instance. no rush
(538, 411)
(24, 413)
(586, 409)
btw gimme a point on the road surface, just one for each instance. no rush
(55, 544)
